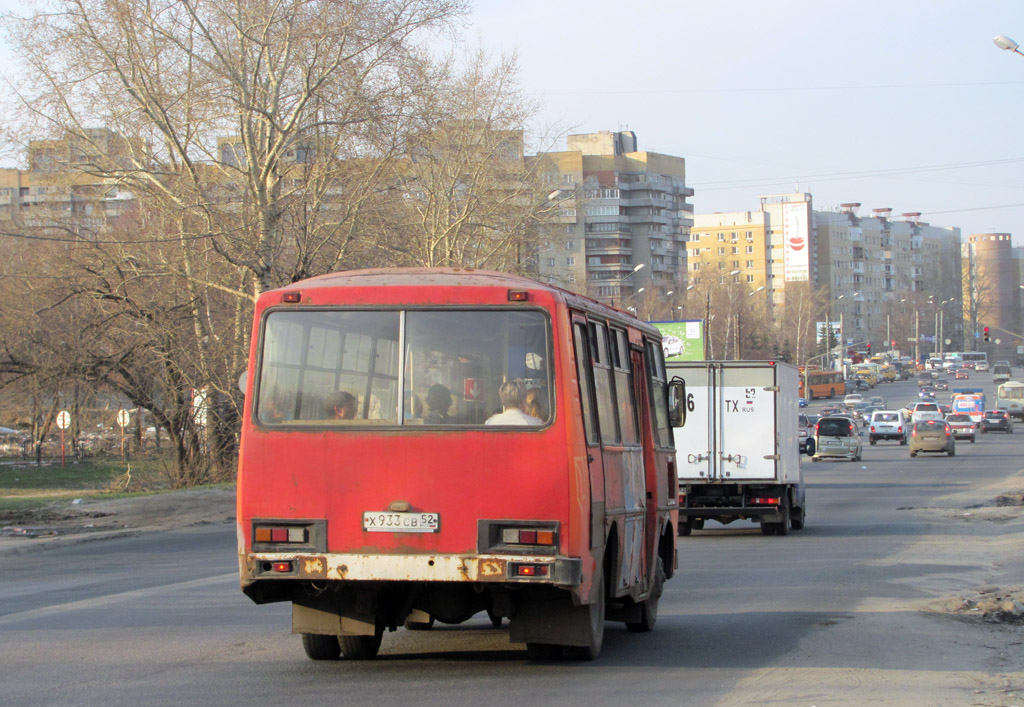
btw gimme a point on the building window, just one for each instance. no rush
(551, 262)
(735, 250)
(750, 278)
(570, 245)
(695, 267)
(570, 261)
(721, 251)
(750, 249)
(750, 263)
(721, 237)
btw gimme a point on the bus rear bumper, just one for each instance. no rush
(557, 571)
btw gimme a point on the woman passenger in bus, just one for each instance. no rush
(439, 399)
(533, 405)
(512, 413)
(341, 405)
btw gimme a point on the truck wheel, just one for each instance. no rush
(873, 441)
(361, 647)
(321, 647)
(685, 527)
(767, 528)
(649, 607)
(697, 524)
(782, 527)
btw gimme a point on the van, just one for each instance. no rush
(836, 437)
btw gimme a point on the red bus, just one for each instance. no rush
(389, 474)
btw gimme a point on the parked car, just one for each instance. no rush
(672, 346)
(887, 424)
(836, 437)
(931, 436)
(926, 411)
(940, 384)
(997, 420)
(962, 425)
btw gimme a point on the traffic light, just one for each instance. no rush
(893, 343)
(869, 349)
(987, 337)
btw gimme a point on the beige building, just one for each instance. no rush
(993, 295)
(624, 219)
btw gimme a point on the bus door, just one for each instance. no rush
(653, 496)
(588, 413)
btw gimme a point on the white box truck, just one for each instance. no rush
(738, 454)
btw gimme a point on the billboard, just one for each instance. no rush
(796, 241)
(682, 340)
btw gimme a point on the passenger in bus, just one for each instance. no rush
(341, 405)
(512, 413)
(533, 404)
(439, 400)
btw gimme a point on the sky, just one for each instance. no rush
(901, 104)
(898, 104)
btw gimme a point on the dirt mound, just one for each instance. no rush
(989, 604)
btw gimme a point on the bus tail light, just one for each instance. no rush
(279, 534)
(518, 295)
(275, 535)
(534, 537)
(530, 569)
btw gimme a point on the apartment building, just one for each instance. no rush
(624, 219)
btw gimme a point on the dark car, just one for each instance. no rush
(926, 392)
(997, 420)
(858, 384)
(940, 384)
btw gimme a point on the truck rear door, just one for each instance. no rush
(747, 422)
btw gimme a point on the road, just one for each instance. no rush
(831, 615)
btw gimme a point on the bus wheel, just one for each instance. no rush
(595, 623)
(320, 647)
(649, 608)
(361, 647)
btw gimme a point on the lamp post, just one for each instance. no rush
(1007, 44)
(622, 279)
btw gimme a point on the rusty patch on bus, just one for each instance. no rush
(314, 566)
(492, 568)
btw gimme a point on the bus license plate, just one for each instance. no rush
(393, 522)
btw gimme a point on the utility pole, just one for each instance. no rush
(917, 338)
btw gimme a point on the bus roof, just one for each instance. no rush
(447, 278)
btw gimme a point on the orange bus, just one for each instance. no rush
(822, 384)
(391, 474)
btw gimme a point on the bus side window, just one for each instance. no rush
(600, 357)
(659, 395)
(579, 336)
(623, 387)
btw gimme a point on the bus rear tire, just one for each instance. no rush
(361, 647)
(595, 623)
(321, 647)
(649, 608)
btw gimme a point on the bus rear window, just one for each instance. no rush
(458, 367)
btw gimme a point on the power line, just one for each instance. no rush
(54, 239)
(778, 89)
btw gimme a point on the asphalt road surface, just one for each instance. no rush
(840, 613)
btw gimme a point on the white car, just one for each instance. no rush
(672, 346)
(926, 411)
(981, 366)
(852, 399)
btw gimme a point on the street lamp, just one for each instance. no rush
(1007, 44)
(622, 279)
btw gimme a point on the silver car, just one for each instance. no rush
(837, 437)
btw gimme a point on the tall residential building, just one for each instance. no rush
(624, 219)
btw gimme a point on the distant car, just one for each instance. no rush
(926, 392)
(962, 374)
(832, 410)
(805, 433)
(887, 424)
(672, 346)
(924, 379)
(835, 437)
(945, 409)
(877, 400)
(962, 425)
(926, 411)
(940, 384)
(802, 402)
(997, 420)
(931, 436)
(981, 366)
(852, 399)
(858, 384)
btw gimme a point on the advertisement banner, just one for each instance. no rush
(682, 340)
(796, 241)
